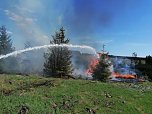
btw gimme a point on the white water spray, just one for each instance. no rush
(49, 46)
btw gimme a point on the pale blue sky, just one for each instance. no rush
(123, 25)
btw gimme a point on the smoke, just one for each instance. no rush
(80, 63)
(32, 62)
(123, 66)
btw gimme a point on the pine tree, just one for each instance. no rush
(58, 59)
(5, 48)
(102, 71)
(5, 41)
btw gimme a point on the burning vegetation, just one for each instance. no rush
(121, 69)
(126, 76)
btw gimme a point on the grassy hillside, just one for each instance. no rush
(58, 96)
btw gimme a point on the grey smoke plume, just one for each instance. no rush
(123, 66)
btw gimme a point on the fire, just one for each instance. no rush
(91, 66)
(126, 76)
(95, 61)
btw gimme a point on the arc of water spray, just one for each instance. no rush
(49, 46)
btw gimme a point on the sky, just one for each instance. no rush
(124, 26)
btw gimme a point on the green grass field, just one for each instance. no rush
(58, 96)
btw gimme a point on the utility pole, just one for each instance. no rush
(134, 61)
(103, 48)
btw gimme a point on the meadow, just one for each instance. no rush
(39, 95)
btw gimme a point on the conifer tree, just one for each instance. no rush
(5, 41)
(58, 59)
(5, 48)
(102, 71)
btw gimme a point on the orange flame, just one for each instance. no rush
(126, 76)
(91, 66)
